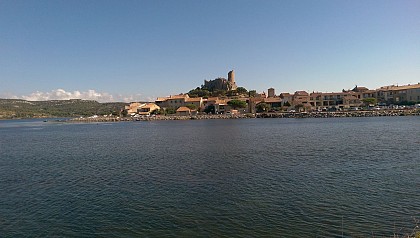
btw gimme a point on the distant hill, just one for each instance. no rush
(18, 108)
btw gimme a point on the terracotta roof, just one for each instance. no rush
(194, 99)
(359, 89)
(183, 109)
(160, 99)
(403, 87)
(180, 96)
(370, 91)
(339, 93)
(406, 87)
(301, 93)
(149, 105)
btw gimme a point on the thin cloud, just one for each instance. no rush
(61, 94)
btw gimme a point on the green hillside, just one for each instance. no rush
(18, 108)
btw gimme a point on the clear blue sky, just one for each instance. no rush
(144, 49)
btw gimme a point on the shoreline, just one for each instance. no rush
(364, 113)
(385, 113)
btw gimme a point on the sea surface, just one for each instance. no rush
(333, 177)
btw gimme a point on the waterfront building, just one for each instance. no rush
(399, 94)
(183, 111)
(197, 102)
(413, 93)
(286, 98)
(148, 109)
(370, 94)
(133, 108)
(300, 97)
(210, 101)
(173, 101)
(274, 102)
(339, 100)
(315, 99)
(221, 106)
(141, 108)
(320, 101)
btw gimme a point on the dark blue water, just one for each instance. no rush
(338, 177)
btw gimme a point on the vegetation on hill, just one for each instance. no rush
(235, 104)
(205, 93)
(18, 108)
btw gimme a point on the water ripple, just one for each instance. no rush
(220, 178)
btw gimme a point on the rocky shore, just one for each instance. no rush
(161, 117)
(257, 115)
(381, 113)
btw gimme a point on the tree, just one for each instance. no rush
(263, 107)
(198, 93)
(232, 93)
(241, 90)
(123, 113)
(218, 93)
(298, 107)
(210, 109)
(235, 104)
(307, 107)
(287, 104)
(369, 101)
(170, 111)
(191, 106)
(252, 93)
(159, 111)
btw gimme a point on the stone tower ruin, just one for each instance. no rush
(221, 83)
(231, 80)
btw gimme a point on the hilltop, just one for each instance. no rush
(19, 108)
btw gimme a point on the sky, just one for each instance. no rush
(139, 50)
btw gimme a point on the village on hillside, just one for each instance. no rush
(223, 96)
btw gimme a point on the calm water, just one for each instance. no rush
(350, 177)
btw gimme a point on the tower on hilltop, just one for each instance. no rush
(221, 83)
(231, 80)
(231, 76)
